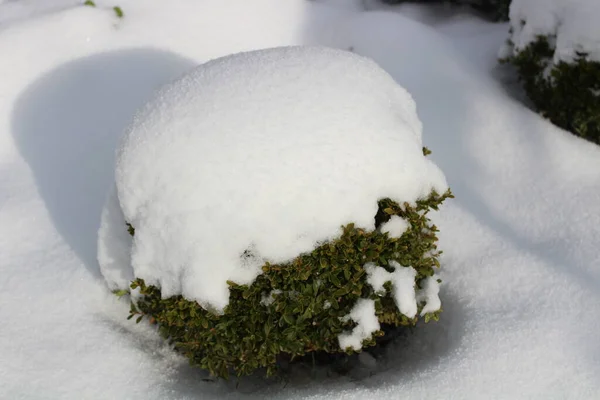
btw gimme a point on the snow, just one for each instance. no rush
(114, 245)
(429, 294)
(363, 314)
(16, 10)
(572, 26)
(403, 285)
(377, 277)
(395, 227)
(520, 268)
(270, 152)
(268, 299)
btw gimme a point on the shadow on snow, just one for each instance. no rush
(67, 124)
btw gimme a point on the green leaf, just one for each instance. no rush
(130, 228)
(118, 11)
(347, 273)
(289, 319)
(335, 280)
(120, 293)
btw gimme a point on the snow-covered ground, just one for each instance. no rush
(521, 268)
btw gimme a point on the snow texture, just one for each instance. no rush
(403, 285)
(267, 152)
(114, 244)
(429, 294)
(363, 314)
(395, 227)
(14, 10)
(521, 266)
(571, 25)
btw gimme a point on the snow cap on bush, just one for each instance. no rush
(555, 45)
(571, 26)
(258, 157)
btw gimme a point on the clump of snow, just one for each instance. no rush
(571, 24)
(429, 294)
(395, 227)
(403, 288)
(363, 313)
(377, 277)
(270, 152)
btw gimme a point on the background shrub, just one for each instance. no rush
(298, 308)
(497, 10)
(568, 94)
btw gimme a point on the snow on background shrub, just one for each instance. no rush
(571, 25)
(520, 239)
(269, 152)
(555, 46)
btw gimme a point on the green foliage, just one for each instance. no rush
(130, 229)
(497, 10)
(568, 95)
(309, 297)
(118, 11)
(120, 293)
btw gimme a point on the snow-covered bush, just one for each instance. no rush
(274, 203)
(497, 10)
(555, 46)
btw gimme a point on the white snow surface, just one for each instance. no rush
(15, 10)
(520, 268)
(114, 245)
(395, 227)
(363, 313)
(272, 150)
(571, 24)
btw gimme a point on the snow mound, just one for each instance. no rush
(256, 157)
(573, 24)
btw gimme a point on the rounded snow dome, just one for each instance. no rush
(257, 157)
